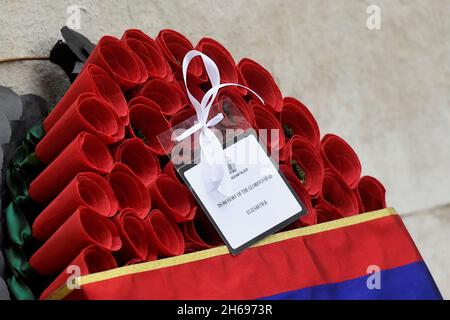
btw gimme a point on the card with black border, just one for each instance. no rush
(263, 201)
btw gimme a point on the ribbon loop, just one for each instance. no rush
(216, 174)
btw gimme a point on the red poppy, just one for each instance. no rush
(166, 95)
(269, 128)
(245, 109)
(339, 156)
(200, 234)
(129, 190)
(310, 217)
(86, 153)
(296, 119)
(221, 57)
(260, 80)
(91, 259)
(149, 52)
(92, 79)
(306, 164)
(135, 155)
(86, 189)
(164, 233)
(174, 47)
(146, 123)
(83, 228)
(172, 198)
(88, 113)
(182, 115)
(337, 200)
(372, 194)
(169, 169)
(134, 235)
(115, 57)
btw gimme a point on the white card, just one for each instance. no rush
(261, 202)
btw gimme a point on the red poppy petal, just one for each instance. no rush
(88, 113)
(296, 117)
(134, 235)
(91, 259)
(337, 197)
(149, 52)
(372, 194)
(339, 156)
(165, 234)
(134, 154)
(166, 95)
(147, 121)
(310, 217)
(83, 228)
(301, 152)
(261, 81)
(86, 189)
(86, 153)
(92, 79)
(171, 197)
(115, 57)
(129, 190)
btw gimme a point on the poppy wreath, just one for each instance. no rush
(91, 185)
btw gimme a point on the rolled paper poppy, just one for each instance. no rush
(358, 198)
(135, 261)
(221, 57)
(296, 119)
(129, 190)
(169, 169)
(89, 113)
(337, 199)
(149, 52)
(83, 228)
(135, 155)
(243, 107)
(164, 233)
(86, 153)
(92, 79)
(182, 115)
(146, 123)
(306, 164)
(134, 234)
(86, 189)
(115, 57)
(339, 156)
(372, 194)
(269, 129)
(194, 88)
(325, 213)
(200, 234)
(91, 259)
(260, 80)
(310, 218)
(166, 95)
(174, 47)
(172, 198)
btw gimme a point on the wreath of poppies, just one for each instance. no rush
(91, 186)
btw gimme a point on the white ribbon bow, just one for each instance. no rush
(215, 168)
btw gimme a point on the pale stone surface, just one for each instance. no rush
(430, 231)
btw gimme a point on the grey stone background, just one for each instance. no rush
(387, 92)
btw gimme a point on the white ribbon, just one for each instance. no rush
(215, 168)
